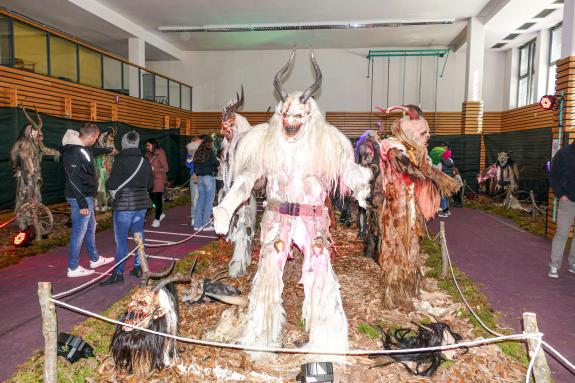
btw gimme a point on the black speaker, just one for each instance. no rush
(73, 347)
(316, 372)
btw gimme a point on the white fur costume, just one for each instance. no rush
(299, 168)
(242, 229)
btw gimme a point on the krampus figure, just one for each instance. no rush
(26, 155)
(302, 158)
(367, 154)
(103, 163)
(242, 229)
(156, 308)
(412, 189)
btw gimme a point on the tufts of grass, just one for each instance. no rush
(371, 332)
(475, 298)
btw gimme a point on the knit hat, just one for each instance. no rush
(130, 140)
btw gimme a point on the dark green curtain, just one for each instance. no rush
(465, 152)
(12, 120)
(530, 149)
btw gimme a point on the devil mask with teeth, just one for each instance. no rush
(295, 111)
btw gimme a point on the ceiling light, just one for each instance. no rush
(301, 26)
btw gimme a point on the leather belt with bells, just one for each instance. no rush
(295, 209)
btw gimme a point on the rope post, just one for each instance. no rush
(541, 371)
(50, 331)
(443, 242)
(465, 186)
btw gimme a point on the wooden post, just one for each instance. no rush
(541, 371)
(443, 242)
(93, 111)
(463, 193)
(35, 221)
(68, 107)
(50, 332)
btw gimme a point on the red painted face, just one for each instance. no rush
(227, 128)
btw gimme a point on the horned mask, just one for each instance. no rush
(296, 112)
(412, 127)
(228, 115)
(33, 130)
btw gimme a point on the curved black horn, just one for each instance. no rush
(279, 75)
(177, 278)
(317, 83)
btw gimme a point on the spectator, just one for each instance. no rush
(191, 147)
(206, 166)
(220, 176)
(563, 183)
(446, 165)
(80, 189)
(457, 197)
(157, 158)
(131, 178)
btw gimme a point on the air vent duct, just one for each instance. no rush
(511, 36)
(498, 45)
(525, 26)
(544, 13)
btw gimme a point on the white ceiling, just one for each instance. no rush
(151, 14)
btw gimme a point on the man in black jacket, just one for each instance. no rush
(80, 190)
(563, 183)
(132, 179)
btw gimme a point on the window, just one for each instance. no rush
(525, 91)
(5, 32)
(30, 48)
(174, 94)
(147, 85)
(112, 70)
(161, 94)
(90, 67)
(131, 83)
(63, 59)
(186, 97)
(554, 55)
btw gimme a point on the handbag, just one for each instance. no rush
(113, 192)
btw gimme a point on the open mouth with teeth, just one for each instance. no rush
(292, 131)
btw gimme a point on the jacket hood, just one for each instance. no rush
(72, 137)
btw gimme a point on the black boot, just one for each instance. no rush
(136, 271)
(113, 279)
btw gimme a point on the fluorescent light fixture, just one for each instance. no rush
(302, 26)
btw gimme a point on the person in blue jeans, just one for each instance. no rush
(80, 189)
(191, 147)
(205, 167)
(132, 178)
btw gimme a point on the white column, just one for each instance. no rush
(474, 62)
(568, 34)
(136, 55)
(541, 64)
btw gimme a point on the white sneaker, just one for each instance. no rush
(156, 223)
(101, 262)
(79, 272)
(209, 228)
(553, 272)
(162, 216)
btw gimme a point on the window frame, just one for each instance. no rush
(530, 75)
(550, 51)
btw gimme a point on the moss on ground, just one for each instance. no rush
(520, 218)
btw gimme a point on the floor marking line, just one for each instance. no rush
(165, 232)
(503, 222)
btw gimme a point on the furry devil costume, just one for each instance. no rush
(242, 230)
(302, 158)
(412, 189)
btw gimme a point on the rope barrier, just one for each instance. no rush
(472, 343)
(532, 361)
(558, 355)
(105, 273)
